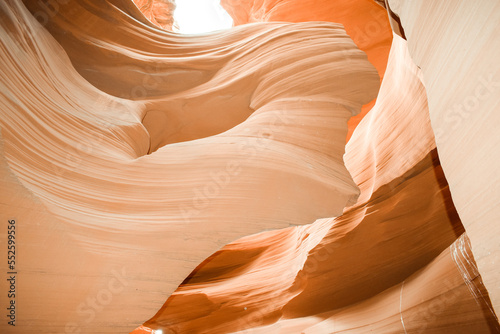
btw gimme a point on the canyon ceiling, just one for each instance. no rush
(325, 166)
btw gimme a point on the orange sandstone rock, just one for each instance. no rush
(312, 279)
(139, 188)
(456, 45)
(159, 12)
(130, 155)
(365, 22)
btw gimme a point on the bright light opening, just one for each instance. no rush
(157, 331)
(200, 16)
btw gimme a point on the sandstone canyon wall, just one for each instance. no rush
(362, 263)
(462, 80)
(131, 155)
(128, 187)
(158, 12)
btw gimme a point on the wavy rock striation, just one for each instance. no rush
(392, 255)
(462, 80)
(146, 151)
(366, 261)
(365, 22)
(159, 12)
(130, 155)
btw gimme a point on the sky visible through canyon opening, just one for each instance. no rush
(200, 16)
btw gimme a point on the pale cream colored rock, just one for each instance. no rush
(456, 45)
(352, 277)
(126, 227)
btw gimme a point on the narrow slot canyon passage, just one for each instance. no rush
(257, 166)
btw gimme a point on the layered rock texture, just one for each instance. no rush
(202, 184)
(158, 12)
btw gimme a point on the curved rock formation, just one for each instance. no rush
(130, 155)
(336, 270)
(325, 273)
(147, 187)
(159, 12)
(462, 81)
(365, 22)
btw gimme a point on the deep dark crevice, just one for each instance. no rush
(395, 21)
(451, 210)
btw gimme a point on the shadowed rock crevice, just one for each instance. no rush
(202, 184)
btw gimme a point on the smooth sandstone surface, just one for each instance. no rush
(223, 294)
(433, 300)
(327, 277)
(158, 12)
(139, 189)
(131, 155)
(462, 81)
(365, 21)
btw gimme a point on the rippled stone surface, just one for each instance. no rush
(131, 155)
